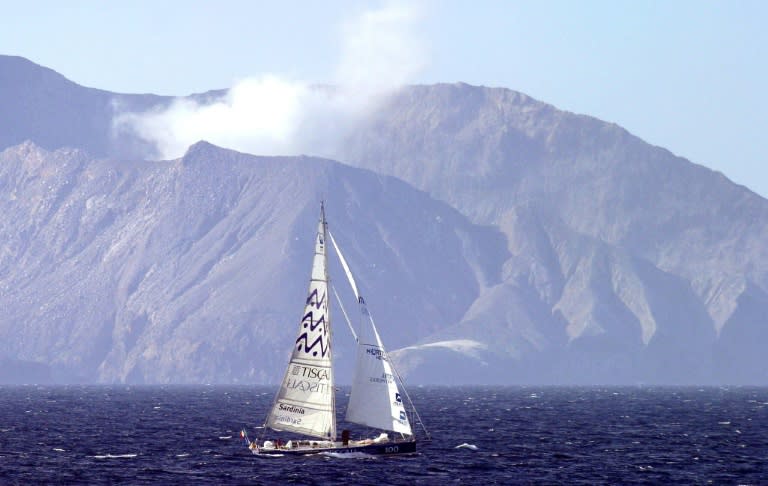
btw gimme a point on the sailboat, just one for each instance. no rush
(305, 403)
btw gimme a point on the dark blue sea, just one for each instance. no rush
(481, 435)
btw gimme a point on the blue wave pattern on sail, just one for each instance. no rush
(315, 331)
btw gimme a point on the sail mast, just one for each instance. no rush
(328, 319)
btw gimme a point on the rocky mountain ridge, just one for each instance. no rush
(194, 270)
(551, 247)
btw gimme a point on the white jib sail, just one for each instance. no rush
(305, 401)
(374, 400)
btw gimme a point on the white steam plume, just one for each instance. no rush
(268, 115)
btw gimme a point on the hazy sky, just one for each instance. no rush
(690, 76)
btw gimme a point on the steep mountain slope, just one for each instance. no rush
(615, 244)
(194, 270)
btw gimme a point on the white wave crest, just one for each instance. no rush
(465, 445)
(348, 455)
(115, 456)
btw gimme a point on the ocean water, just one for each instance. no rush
(481, 435)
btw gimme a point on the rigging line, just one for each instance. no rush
(343, 311)
(345, 265)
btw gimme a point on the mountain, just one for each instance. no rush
(42, 105)
(618, 249)
(513, 243)
(194, 270)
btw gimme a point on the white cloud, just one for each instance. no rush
(380, 49)
(268, 115)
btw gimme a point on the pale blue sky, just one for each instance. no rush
(690, 76)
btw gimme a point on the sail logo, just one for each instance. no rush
(310, 372)
(402, 419)
(376, 353)
(307, 386)
(291, 408)
(385, 378)
(285, 419)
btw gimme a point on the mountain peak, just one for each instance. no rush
(16, 70)
(200, 148)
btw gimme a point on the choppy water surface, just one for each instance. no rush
(482, 435)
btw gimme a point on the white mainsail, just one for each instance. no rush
(374, 400)
(305, 401)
